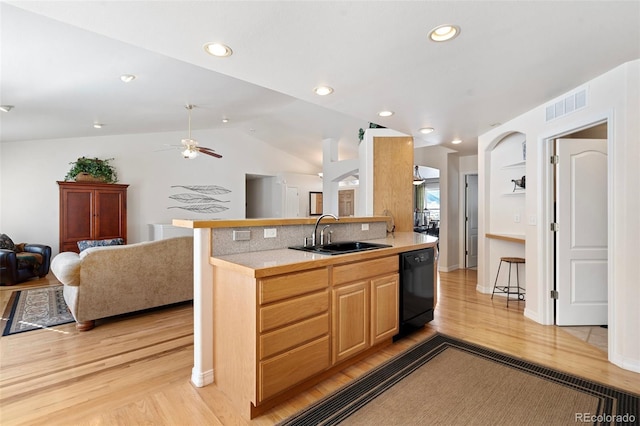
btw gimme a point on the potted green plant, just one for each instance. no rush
(92, 169)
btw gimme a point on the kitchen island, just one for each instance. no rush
(269, 323)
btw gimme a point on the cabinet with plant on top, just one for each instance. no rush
(91, 211)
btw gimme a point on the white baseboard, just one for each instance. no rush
(533, 316)
(484, 290)
(448, 268)
(626, 363)
(201, 379)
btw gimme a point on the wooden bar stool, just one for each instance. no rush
(509, 289)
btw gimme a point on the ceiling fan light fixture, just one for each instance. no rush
(190, 153)
(444, 32)
(426, 130)
(97, 125)
(323, 90)
(218, 50)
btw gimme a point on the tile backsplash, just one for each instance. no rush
(291, 235)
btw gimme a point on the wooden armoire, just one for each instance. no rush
(91, 211)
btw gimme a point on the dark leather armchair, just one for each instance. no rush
(23, 261)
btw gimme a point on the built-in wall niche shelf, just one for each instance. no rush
(517, 165)
(516, 192)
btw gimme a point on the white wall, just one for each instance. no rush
(305, 184)
(29, 202)
(438, 157)
(615, 97)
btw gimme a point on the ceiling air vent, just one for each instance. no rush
(567, 105)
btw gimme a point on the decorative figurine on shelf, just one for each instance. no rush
(519, 183)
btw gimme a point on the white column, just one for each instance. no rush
(202, 372)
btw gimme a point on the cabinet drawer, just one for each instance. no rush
(366, 269)
(293, 367)
(289, 337)
(293, 310)
(289, 285)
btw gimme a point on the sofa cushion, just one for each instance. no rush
(26, 260)
(85, 244)
(6, 243)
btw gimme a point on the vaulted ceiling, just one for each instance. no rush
(62, 60)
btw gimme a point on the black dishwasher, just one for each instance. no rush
(416, 289)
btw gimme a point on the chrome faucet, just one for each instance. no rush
(315, 229)
(322, 234)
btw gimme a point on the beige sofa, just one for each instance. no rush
(105, 281)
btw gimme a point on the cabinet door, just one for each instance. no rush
(77, 211)
(111, 216)
(384, 308)
(350, 320)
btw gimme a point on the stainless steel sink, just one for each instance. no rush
(341, 247)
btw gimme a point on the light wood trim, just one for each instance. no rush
(368, 268)
(285, 286)
(284, 371)
(243, 223)
(350, 314)
(287, 312)
(293, 335)
(385, 303)
(507, 237)
(393, 178)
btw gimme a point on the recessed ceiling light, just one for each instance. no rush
(225, 120)
(127, 78)
(97, 125)
(426, 130)
(323, 90)
(218, 49)
(385, 113)
(444, 32)
(456, 141)
(6, 108)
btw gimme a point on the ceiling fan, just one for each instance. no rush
(190, 148)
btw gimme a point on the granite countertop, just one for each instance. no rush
(271, 262)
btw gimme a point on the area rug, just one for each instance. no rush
(34, 309)
(448, 381)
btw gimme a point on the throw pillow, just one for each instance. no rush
(6, 243)
(85, 244)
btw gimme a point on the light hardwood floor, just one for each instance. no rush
(135, 369)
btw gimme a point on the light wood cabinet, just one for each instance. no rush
(91, 211)
(350, 320)
(277, 334)
(385, 318)
(364, 311)
(293, 323)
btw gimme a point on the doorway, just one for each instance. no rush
(580, 236)
(471, 221)
(346, 199)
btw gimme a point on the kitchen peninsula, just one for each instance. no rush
(270, 321)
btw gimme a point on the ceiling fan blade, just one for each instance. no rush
(209, 151)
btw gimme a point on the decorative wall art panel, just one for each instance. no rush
(201, 201)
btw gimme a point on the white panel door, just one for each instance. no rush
(471, 225)
(292, 202)
(581, 241)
